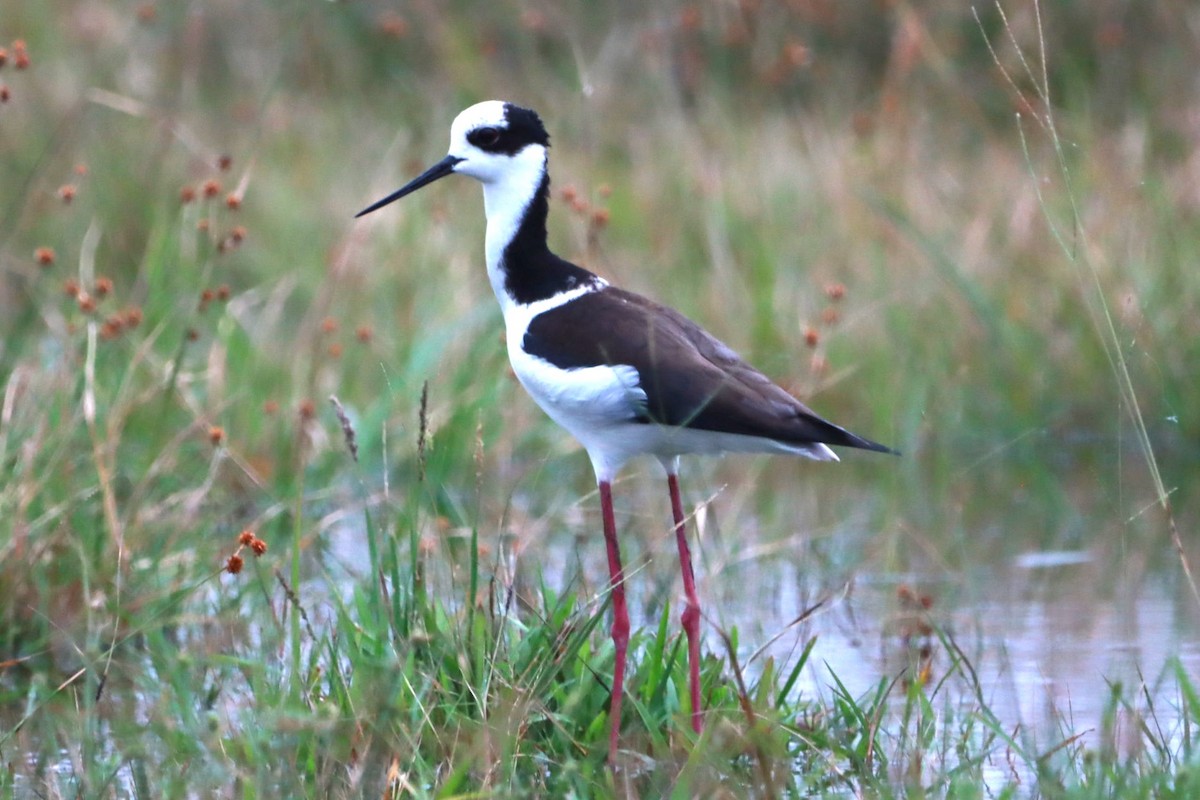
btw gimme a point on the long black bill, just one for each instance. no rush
(439, 170)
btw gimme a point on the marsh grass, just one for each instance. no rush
(1007, 304)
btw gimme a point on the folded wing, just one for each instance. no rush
(691, 379)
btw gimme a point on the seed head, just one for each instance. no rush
(796, 55)
(690, 18)
(392, 24)
(111, 328)
(347, 426)
(20, 54)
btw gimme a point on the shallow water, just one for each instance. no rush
(1046, 635)
(1046, 663)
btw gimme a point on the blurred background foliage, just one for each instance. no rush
(740, 160)
(860, 196)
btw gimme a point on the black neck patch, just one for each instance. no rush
(531, 271)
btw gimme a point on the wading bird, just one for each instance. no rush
(623, 374)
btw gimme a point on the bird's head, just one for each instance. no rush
(493, 142)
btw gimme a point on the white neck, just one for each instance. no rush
(506, 196)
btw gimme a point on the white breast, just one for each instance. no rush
(594, 404)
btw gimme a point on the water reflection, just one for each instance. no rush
(1048, 635)
(1047, 662)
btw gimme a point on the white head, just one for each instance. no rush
(496, 143)
(496, 140)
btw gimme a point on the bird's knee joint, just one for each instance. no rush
(690, 616)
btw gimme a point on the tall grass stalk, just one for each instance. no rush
(1077, 250)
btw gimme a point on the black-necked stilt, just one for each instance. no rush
(625, 375)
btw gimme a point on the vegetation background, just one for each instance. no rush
(967, 231)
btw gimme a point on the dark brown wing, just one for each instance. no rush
(690, 378)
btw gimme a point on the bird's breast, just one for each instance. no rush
(585, 397)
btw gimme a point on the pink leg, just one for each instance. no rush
(620, 625)
(691, 612)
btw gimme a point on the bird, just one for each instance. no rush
(623, 374)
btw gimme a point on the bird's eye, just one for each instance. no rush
(487, 137)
